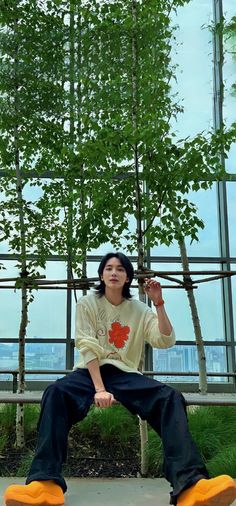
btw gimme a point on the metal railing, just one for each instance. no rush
(15, 372)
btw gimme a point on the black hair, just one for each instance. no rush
(125, 262)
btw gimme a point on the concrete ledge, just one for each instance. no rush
(194, 399)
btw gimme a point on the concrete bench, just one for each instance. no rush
(192, 399)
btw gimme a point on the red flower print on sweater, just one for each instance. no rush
(118, 334)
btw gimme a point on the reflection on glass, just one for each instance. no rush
(47, 313)
(10, 303)
(8, 356)
(231, 200)
(233, 267)
(194, 75)
(176, 302)
(76, 356)
(108, 247)
(208, 300)
(229, 71)
(45, 356)
(184, 358)
(38, 356)
(208, 243)
(4, 247)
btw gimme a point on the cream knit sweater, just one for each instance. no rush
(115, 334)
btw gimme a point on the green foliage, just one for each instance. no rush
(155, 454)
(223, 462)
(213, 430)
(31, 415)
(3, 441)
(24, 463)
(226, 419)
(207, 430)
(8, 417)
(230, 43)
(86, 100)
(108, 424)
(86, 95)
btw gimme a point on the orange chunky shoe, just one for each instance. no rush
(219, 491)
(37, 493)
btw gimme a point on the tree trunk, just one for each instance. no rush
(69, 182)
(196, 322)
(140, 247)
(20, 440)
(23, 274)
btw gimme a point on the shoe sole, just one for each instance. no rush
(222, 498)
(38, 502)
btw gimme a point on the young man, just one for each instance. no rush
(110, 331)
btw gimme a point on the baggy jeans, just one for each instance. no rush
(68, 400)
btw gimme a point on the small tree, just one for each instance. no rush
(195, 319)
(158, 170)
(24, 78)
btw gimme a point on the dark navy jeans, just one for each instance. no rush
(68, 400)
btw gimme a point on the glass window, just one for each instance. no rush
(4, 246)
(208, 243)
(108, 247)
(37, 356)
(184, 358)
(47, 312)
(229, 80)
(8, 356)
(176, 303)
(162, 250)
(194, 74)
(208, 301)
(45, 356)
(233, 267)
(10, 302)
(76, 356)
(231, 200)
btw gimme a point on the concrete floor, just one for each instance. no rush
(112, 492)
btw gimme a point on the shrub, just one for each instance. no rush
(207, 430)
(223, 463)
(155, 454)
(114, 422)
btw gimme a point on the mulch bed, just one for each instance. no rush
(87, 457)
(91, 457)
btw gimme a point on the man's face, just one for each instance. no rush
(114, 274)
